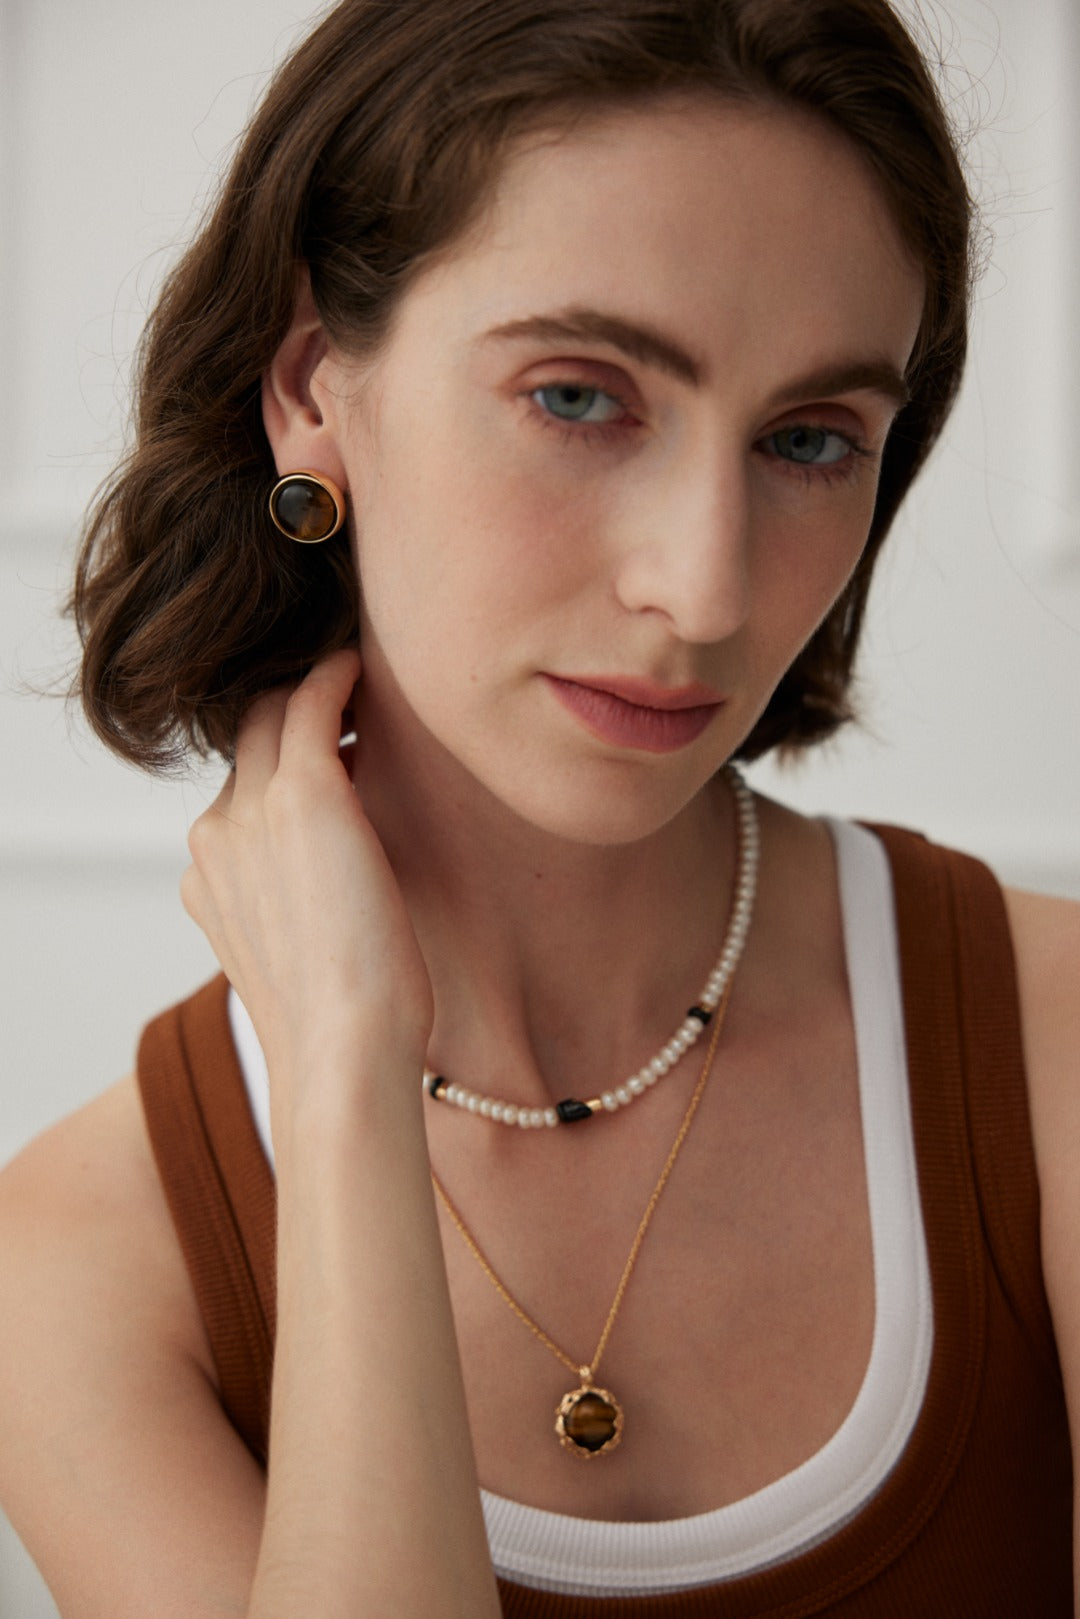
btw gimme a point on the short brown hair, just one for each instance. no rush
(374, 148)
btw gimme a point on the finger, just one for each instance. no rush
(222, 804)
(205, 834)
(314, 712)
(219, 805)
(197, 898)
(258, 740)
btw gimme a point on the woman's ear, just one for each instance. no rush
(302, 430)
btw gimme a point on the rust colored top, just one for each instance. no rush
(974, 1521)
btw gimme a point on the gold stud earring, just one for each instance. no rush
(307, 506)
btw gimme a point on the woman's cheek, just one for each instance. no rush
(529, 526)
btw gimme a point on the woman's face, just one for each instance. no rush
(621, 452)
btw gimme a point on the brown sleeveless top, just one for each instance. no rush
(974, 1521)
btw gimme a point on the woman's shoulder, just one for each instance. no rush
(108, 1407)
(85, 1163)
(90, 1267)
(1043, 926)
(83, 1211)
(1046, 942)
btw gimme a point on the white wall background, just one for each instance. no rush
(113, 117)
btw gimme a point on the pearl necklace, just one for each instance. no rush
(700, 1015)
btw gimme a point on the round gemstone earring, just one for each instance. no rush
(307, 506)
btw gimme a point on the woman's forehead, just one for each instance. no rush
(715, 222)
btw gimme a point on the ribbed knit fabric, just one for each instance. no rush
(974, 1522)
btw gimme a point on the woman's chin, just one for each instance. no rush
(576, 807)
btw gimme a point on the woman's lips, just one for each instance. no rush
(637, 715)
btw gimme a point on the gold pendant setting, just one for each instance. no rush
(589, 1420)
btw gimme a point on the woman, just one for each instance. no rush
(614, 333)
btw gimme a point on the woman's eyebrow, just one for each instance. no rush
(641, 343)
(848, 376)
(650, 347)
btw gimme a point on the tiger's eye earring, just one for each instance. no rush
(307, 506)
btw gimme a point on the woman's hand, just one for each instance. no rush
(296, 895)
(294, 891)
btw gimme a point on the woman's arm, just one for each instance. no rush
(1046, 937)
(372, 1505)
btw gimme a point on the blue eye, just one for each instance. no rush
(572, 402)
(810, 446)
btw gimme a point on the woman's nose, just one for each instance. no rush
(687, 555)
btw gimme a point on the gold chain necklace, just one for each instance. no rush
(589, 1420)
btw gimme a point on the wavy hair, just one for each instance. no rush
(374, 149)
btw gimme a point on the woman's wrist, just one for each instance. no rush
(334, 1091)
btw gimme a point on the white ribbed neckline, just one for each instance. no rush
(552, 1551)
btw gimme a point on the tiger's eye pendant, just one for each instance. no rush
(589, 1420)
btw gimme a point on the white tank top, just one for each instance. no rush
(589, 1557)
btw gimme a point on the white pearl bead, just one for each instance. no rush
(691, 1028)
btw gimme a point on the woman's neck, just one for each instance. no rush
(550, 960)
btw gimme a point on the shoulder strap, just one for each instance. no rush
(220, 1191)
(971, 909)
